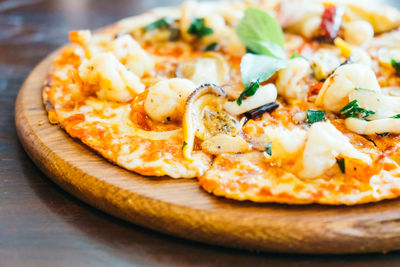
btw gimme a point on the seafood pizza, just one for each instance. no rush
(280, 101)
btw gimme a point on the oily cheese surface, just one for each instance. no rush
(115, 122)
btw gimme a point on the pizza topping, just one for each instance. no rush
(160, 23)
(323, 63)
(212, 120)
(259, 96)
(167, 99)
(199, 28)
(396, 66)
(211, 47)
(331, 22)
(211, 67)
(334, 95)
(324, 144)
(342, 164)
(210, 94)
(261, 33)
(115, 82)
(382, 19)
(285, 143)
(263, 36)
(381, 126)
(353, 110)
(314, 116)
(358, 32)
(256, 69)
(268, 148)
(128, 51)
(258, 112)
(383, 106)
(223, 143)
(292, 80)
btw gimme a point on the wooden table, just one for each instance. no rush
(40, 224)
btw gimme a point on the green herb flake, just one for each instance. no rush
(268, 148)
(395, 116)
(161, 23)
(353, 110)
(342, 164)
(314, 116)
(249, 91)
(199, 28)
(211, 47)
(396, 66)
(184, 144)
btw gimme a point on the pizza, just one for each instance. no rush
(283, 101)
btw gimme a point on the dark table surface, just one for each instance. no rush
(40, 224)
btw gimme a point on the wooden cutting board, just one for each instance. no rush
(181, 208)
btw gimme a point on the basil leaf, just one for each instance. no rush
(248, 91)
(396, 66)
(268, 148)
(261, 33)
(342, 164)
(314, 116)
(161, 23)
(395, 116)
(259, 68)
(353, 110)
(199, 28)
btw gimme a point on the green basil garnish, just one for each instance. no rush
(314, 116)
(268, 148)
(199, 28)
(248, 91)
(211, 47)
(396, 66)
(353, 110)
(342, 164)
(261, 33)
(263, 36)
(161, 23)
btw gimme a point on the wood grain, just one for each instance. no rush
(181, 208)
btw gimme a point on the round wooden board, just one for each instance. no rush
(181, 208)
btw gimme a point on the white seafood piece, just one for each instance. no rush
(324, 144)
(358, 32)
(334, 94)
(265, 94)
(291, 81)
(135, 58)
(224, 143)
(166, 99)
(388, 125)
(116, 83)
